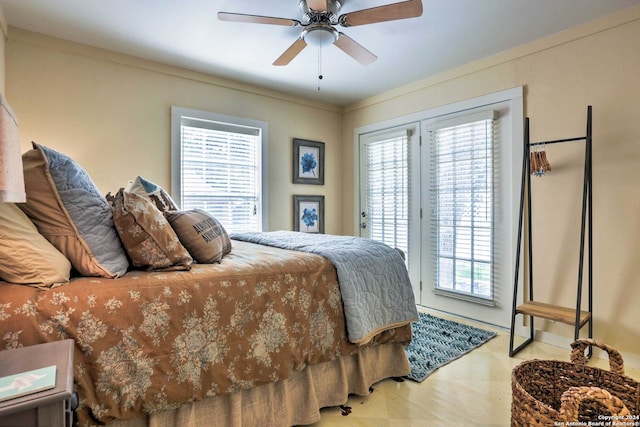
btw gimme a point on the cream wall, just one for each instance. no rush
(111, 113)
(596, 64)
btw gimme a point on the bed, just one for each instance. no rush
(258, 339)
(175, 324)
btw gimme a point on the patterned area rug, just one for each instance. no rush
(437, 342)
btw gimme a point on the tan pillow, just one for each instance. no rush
(153, 192)
(146, 235)
(69, 211)
(204, 237)
(26, 257)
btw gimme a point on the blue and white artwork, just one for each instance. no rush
(309, 219)
(309, 163)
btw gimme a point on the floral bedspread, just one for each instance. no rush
(374, 281)
(151, 341)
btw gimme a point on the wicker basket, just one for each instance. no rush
(551, 392)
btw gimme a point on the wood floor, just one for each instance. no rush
(474, 390)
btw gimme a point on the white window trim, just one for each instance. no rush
(178, 113)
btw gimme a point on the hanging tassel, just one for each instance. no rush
(319, 67)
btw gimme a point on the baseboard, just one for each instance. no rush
(631, 360)
(463, 319)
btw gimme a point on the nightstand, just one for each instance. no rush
(50, 408)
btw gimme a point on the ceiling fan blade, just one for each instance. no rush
(390, 12)
(291, 52)
(257, 19)
(317, 5)
(354, 49)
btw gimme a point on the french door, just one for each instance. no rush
(389, 202)
(441, 190)
(461, 237)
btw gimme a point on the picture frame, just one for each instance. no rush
(308, 214)
(308, 162)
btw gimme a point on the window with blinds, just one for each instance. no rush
(386, 214)
(462, 182)
(221, 171)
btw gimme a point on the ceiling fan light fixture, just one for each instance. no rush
(320, 35)
(319, 21)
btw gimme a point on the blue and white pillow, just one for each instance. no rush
(69, 211)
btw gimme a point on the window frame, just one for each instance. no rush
(178, 114)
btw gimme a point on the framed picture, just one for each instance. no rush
(308, 214)
(308, 162)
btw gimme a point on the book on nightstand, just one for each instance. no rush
(28, 382)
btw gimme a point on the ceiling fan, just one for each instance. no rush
(319, 21)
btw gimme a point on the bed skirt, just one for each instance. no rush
(294, 401)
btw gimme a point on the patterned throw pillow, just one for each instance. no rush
(146, 235)
(153, 192)
(69, 211)
(25, 256)
(204, 237)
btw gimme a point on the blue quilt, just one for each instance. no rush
(373, 278)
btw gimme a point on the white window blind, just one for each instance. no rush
(462, 181)
(387, 190)
(221, 172)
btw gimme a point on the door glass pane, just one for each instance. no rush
(462, 168)
(482, 278)
(445, 272)
(386, 189)
(463, 276)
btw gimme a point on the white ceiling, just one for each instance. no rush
(187, 33)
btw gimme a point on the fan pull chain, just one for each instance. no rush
(319, 67)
